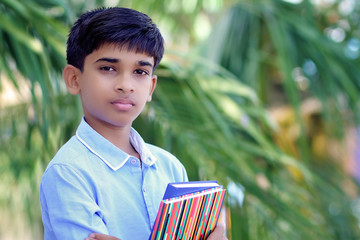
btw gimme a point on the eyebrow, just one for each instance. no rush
(116, 60)
(111, 60)
(144, 63)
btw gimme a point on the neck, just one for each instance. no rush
(119, 136)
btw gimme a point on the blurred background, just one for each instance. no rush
(261, 95)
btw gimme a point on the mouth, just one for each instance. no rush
(123, 104)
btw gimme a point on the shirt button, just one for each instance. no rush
(144, 189)
(133, 161)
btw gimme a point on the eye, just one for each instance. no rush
(107, 69)
(141, 72)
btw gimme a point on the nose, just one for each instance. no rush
(124, 84)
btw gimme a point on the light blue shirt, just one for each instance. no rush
(92, 186)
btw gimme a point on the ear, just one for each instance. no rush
(152, 87)
(72, 79)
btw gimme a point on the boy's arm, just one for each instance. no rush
(217, 234)
(68, 205)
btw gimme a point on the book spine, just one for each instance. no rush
(197, 216)
(179, 219)
(217, 211)
(212, 213)
(172, 223)
(206, 216)
(190, 222)
(157, 221)
(201, 217)
(162, 227)
(184, 219)
(167, 221)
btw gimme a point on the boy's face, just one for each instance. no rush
(115, 86)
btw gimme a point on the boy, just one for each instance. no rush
(105, 179)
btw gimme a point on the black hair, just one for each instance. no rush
(120, 26)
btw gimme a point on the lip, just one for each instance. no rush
(123, 104)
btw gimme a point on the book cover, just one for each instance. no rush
(189, 210)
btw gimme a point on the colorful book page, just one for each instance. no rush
(189, 216)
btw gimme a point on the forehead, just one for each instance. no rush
(121, 52)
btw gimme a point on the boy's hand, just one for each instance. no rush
(99, 236)
(218, 233)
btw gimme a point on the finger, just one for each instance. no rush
(91, 237)
(218, 233)
(100, 236)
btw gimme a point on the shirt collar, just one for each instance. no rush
(112, 156)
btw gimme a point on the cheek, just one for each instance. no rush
(94, 84)
(93, 93)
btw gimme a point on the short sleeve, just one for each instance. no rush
(68, 204)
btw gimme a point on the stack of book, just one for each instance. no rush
(189, 210)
